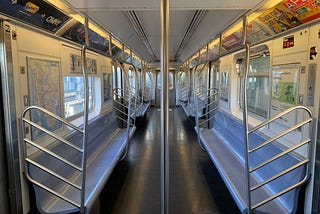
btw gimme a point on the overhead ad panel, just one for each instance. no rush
(290, 13)
(35, 12)
(76, 33)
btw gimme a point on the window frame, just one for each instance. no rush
(93, 104)
(264, 113)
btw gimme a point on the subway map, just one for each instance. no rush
(44, 92)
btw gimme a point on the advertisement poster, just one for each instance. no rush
(76, 34)
(284, 91)
(231, 41)
(213, 52)
(290, 13)
(35, 12)
(91, 64)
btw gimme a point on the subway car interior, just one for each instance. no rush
(149, 106)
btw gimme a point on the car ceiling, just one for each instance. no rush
(193, 23)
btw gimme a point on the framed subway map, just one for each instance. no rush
(44, 91)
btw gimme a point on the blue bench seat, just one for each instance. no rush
(225, 146)
(142, 109)
(105, 146)
(190, 108)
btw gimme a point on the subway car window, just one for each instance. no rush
(132, 80)
(171, 81)
(74, 95)
(106, 87)
(257, 84)
(224, 86)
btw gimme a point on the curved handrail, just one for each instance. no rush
(83, 150)
(210, 103)
(128, 82)
(182, 90)
(55, 116)
(52, 154)
(281, 114)
(142, 82)
(129, 109)
(196, 109)
(306, 161)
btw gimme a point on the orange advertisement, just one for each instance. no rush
(290, 13)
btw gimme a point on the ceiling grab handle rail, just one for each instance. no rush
(196, 75)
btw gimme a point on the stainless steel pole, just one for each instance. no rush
(85, 114)
(110, 44)
(164, 17)
(245, 114)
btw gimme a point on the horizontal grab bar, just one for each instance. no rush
(280, 174)
(54, 192)
(53, 173)
(57, 137)
(53, 154)
(280, 135)
(62, 120)
(302, 143)
(281, 114)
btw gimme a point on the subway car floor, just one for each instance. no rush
(195, 184)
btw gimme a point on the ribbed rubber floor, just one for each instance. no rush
(195, 185)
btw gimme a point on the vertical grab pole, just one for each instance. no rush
(129, 113)
(245, 113)
(195, 99)
(142, 81)
(136, 92)
(164, 20)
(127, 82)
(85, 115)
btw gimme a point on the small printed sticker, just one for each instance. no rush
(22, 70)
(14, 35)
(313, 53)
(32, 8)
(7, 28)
(288, 42)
